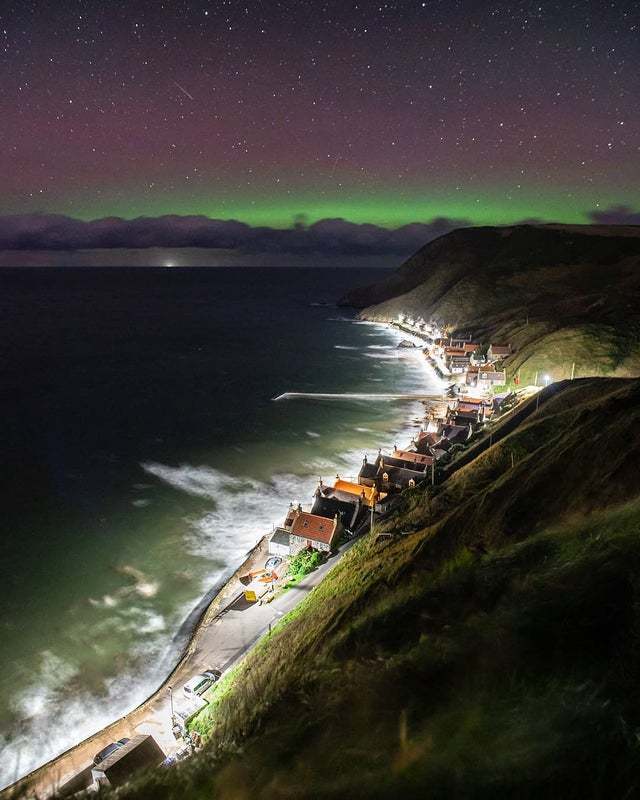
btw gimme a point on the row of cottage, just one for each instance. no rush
(348, 505)
(459, 357)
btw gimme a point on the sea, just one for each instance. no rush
(142, 455)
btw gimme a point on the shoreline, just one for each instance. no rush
(202, 614)
(211, 606)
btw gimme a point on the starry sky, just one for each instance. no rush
(273, 112)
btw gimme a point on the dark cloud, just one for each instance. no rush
(615, 215)
(325, 237)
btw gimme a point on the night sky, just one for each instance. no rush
(270, 111)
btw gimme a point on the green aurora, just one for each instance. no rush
(384, 209)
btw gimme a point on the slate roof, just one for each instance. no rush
(280, 536)
(330, 506)
(402, 463)
(401, 475)
(369, 470)
(456, 433)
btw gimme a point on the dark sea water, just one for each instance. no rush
(142, 456)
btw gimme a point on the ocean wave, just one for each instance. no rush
(56, 713)
(236, 512)
(384, 356)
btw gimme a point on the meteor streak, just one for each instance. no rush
(183, 90)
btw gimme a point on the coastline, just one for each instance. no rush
(204, 614)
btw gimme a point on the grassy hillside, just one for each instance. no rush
(492, 652)
(560, 294)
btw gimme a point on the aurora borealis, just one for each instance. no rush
(268, 112)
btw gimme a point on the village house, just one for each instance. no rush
(279, 543)
(466, 418)
(345, 489)
(484, 377)
(440, 452)
(304, 529)
(457, 434)
(310, 530)
(498, 351)
(368, 496)
(484, 406)
(420, 460)
(348, 511)
(424, 441)
(390, 474)
(492, 378)
(458, 365)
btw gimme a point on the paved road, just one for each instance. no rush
(220, 642)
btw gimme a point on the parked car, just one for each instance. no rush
(110, 748)
(199, 684)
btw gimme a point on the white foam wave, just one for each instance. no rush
(385, 356)
(54, 716)
(238, 511)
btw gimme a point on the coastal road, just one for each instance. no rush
(218, 643)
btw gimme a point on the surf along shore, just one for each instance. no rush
(217, 633)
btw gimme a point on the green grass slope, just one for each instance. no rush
(561, 295)
(492, 652)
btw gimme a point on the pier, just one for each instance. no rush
(355, 396)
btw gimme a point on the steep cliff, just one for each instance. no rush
(566, 297)
(488, 648)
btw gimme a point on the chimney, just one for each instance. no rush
(364, 460)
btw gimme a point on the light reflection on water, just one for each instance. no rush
(168, 463)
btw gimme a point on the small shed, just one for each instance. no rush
(141, 752)
(279, 543)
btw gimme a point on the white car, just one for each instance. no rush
(199, 684)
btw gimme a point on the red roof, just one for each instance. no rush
(313, 527)
(415, 458)
(468, 407)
